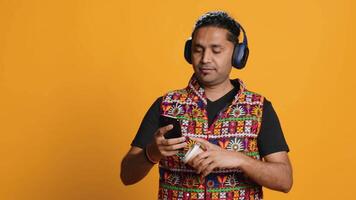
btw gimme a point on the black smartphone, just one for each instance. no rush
(175, 132)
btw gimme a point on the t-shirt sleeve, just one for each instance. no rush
(148, 126)
(271, 138)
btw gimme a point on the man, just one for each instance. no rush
(244, 145)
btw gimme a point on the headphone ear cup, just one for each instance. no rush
(245, 56)
(240, 56)
(188, 51)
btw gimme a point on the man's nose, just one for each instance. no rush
(206, 56)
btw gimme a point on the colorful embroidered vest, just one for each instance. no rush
(235, 128)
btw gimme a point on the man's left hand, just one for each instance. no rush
(214, 157)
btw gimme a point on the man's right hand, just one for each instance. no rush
(162, 147)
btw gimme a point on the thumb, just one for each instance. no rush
(206, 144)
(164, 129)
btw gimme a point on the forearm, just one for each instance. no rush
(273, 175)
(134, 167)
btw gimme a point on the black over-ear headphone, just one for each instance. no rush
(239, 56)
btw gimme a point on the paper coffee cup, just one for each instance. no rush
(192, 152)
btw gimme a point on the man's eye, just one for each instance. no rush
(217, 50)
(197, 50)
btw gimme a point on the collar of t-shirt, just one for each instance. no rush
(214, 107)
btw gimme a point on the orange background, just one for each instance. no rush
(76, 78)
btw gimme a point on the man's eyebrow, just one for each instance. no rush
(216, 46)
(198, 45)
(212, 46)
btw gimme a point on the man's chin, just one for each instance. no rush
(206, 79)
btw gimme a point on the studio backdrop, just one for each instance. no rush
(77, 77)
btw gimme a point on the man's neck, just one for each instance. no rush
(214, 92)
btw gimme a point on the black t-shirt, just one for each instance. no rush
(270, 139)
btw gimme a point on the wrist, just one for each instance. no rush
(242, 160)
(148, 153)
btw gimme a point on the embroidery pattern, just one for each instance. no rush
(235, 128)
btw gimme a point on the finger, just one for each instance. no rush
(199, 163)
(199, 158)
(206, 144)
(204, 164)
(194, 162)
(209, 169)
(174, 141)
(164, 129)
(202, 155)
(174, 146)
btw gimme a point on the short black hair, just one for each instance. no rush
(219, 19)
